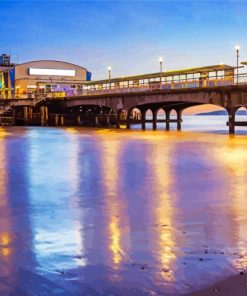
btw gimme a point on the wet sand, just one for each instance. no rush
(105, 212)
(232, 286)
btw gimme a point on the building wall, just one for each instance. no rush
(26, 83)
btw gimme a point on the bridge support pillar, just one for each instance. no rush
(30, 112)
(56, 119)
(128, 119)
(96, 122)
(143, 124)
(42, 115)
(231, 121)
(154, 120)
(46, 115)
(179, 119)
(62, 120)
(25, 110)
(143, 119)
(78, 120)
(168, 112)
(118, 119)
(107, 120)
(127, 123)
(13, 115)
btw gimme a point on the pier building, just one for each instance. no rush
(35, 78)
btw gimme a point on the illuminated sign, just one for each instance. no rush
(51, 72)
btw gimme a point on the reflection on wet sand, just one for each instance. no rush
(163, 208)
(117, 223)
(6, 256)
(110, 207)
(233, 158)
(58, 229)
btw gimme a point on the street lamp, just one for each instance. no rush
(109, 76)
(237, 48)
(161, 64)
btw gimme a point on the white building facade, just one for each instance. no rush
(31, 79)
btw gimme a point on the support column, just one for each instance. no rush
(13, 115)
(78, 120)
(42, 116)
(143, 120)
(96, 121)
(46, 115)
(28, 114)
(168, 112)
(179, 119)
(107, 120)
(128, 123)
(25, 109)
(154, 119)
(231, 122)
(118, 118)
(128, 119)
(62, 120)
(56, 119)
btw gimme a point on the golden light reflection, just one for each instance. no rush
(3, 175)
(5, 237)
(163, 208)
(115, 245)
(5, 252)
(4, 243)
(111, 178)
(71, 130)
(233, 157)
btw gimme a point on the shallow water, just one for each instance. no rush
(106, 212)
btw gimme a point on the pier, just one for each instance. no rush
(127, 100)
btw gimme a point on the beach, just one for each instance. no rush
(232, 286)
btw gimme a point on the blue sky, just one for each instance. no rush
(128, 35)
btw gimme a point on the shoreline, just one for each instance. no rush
(235, 285)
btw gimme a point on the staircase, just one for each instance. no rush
(20, 102)
(7, 108)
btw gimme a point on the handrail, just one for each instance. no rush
(199, 82)
(13, 103)
(166, 85)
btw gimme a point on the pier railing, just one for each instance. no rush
(241, 79)
(166, 85)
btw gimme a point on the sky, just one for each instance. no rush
(130, 36)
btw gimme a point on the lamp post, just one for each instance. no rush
(161, 64)
(237, 48)
(109, 76)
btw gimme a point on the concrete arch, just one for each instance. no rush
(241, 108)
(136, 113)
(150, 113)
(160, 115)
(173, 112)
(240, 121)
(198, 108)
(161, 112)
(229, 111)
